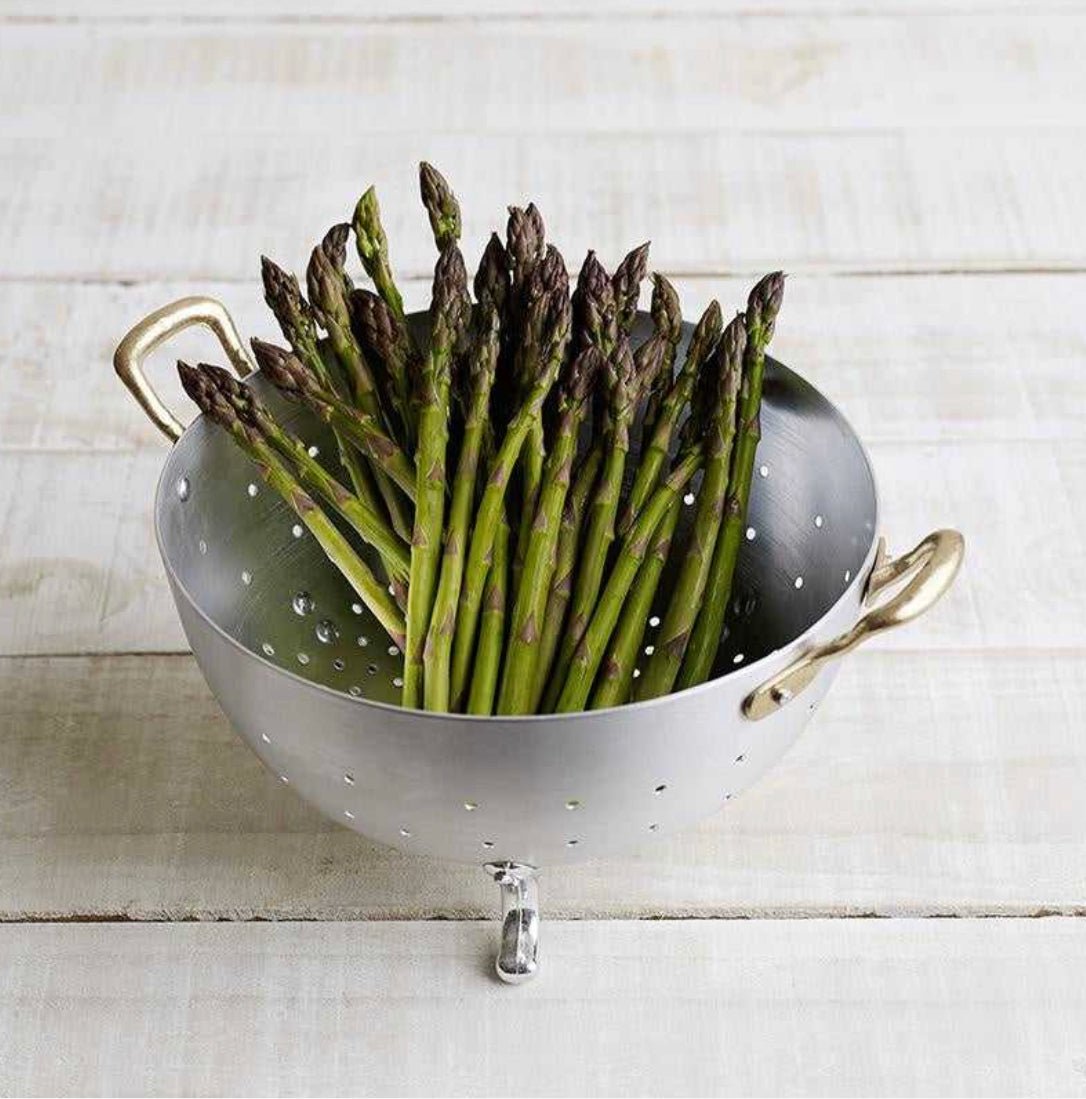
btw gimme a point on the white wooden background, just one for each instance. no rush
(918, 168)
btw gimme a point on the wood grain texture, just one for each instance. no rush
(195, 147)
(927, 784)
(992, 1007)
(351, 11)
(563, 75)
(83, 574)
(908, 359)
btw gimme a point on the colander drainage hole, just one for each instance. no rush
(246, 577)
(363, 641)
(284, 780)
(818, 521)
(393, 650)
(397, 681)
(348, 814)
(264, 737)
(637, 673)
(356, 608)
(572, 843)
(303, 604)
(471, 806)
(688, 499)
(573, 804)
(654, 621)
(751, 534)
(798, 582)
(355, 690)
(653, 827)
(660, 789)
(303, 659)
(338, 665)
(763, 471)
(252, 489)
(268, 648)
(738, 658)
(183, 489)
(371, 669)
(406, 833)
(202, 546)
(297, 530)
(650, 649)
(488, 844)
(327, 632)
(313, 451)
(848, 575)
(740, 758)
(349, 779)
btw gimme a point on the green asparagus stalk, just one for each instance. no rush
(654, 456)
(626, 281)
(201, 387)
(492, 278)
(546, 686)
(291, 378)
(441, 206)
(616, 674)
(763, 305)
(284, 297)
(686, 598)
(593, 643)
(329, 290)
(482, 364)
(448, 316)
(372, 245)
(525, 240)
(492, 502)
(518, 676)
(386, 341)
(314, 477)
(604, 505)
(488, 656)
(655, 358)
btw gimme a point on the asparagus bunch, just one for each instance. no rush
(491, 471)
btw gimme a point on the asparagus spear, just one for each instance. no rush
(763, 305)
(525, 238)
(546, 687)
(654, 456)
(488, 656)
(626, 282)
(447, 319)
(372, 245)
(372, 527)
(295, 317)
(492, 278)
(593, 643)
(386, 341)
(329, 288)
(482, 363)
(201, 386)
(689, 589)
(441, 206)
(491, 504)
(292, 379)
(616, 674)
(595, 310)
(656, 356)
(604, 505)
(518, 676)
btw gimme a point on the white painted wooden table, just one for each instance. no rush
(918, 169)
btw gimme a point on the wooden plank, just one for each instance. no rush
(150, 207)
(992, 1007)
(908, 359)
(670, 153)
(82, 574)
(942, 783)
(350, 11)
(701, 75)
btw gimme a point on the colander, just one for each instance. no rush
(311, 682)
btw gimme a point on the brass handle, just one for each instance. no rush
(930, 567)
(155, 329)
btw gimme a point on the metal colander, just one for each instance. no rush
(310, 680)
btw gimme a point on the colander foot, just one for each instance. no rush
(518, 951)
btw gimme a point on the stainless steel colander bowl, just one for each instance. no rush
(311, 682)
